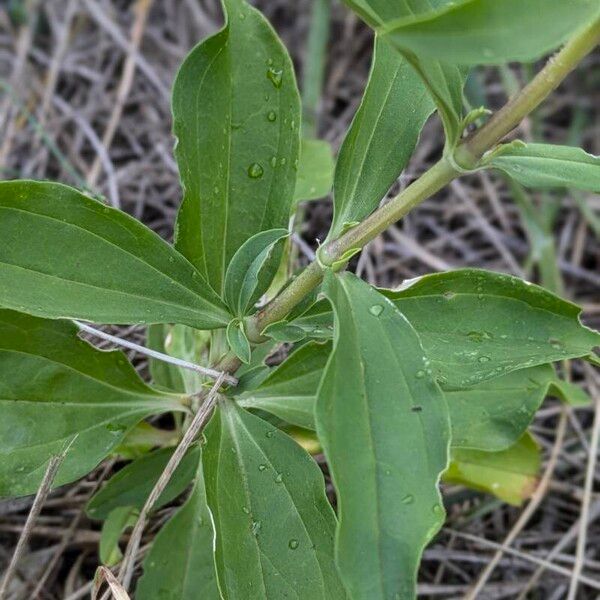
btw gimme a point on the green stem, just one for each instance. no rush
(468, 154)
(530, 97)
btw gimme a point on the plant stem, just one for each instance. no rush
(467, 155)
(518, 107)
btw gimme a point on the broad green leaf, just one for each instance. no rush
(66, 255)
(251, 271)
(490, 416)
(237, 340)
(493, 415)
(444, 81)
(274, 525)
(132, 485)
(289, 390)
(180, 564)
(315, 170)
(511, 475)
(476, 325)
(58, 392)
(547, 166)
(383, 423)
(490, 31)
(164, 375)
(236, 116)
(113, 528)
(382, 136)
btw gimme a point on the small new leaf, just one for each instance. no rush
(237, 340)
(251, 271)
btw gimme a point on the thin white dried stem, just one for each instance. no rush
(179, 362)
(587, 497)
(36, 508)
(200, 419)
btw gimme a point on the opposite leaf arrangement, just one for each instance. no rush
(398, 389)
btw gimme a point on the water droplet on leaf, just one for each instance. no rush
(275, 76)
(376, 310)
(255, 171)
(293, 544)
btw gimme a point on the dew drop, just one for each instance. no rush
(275, 76)
(262, 467)
(293, 544)
(449, 295)
(269, 434)
(255, 171)
(245, 510)
(408, 499)
(437, 509)
(272, 116)
(376, 310)
(283, 160)
(256, 525)
(420, 374)
(273, 161)
(484, 359)
(278, 478)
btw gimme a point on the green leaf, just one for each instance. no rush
(289, 390)
(493, 415)
(377, 396)
(66, 255)
(444, 81)
(237, 340)
(132, 485)
(511, 475)
(382, 136)
(251, 271)
(236, 113)
(164, 375)
(113, 528)
(474, 32)
(180, 564)
(477, 325)
(547, 166)
(274, 525)
(57, 391)
(315, 170)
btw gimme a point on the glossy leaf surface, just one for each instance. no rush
(476, 32)
(180, 564)
(377, 394)
(236, 115)
(382, 136)
(274, 525)
(476, 325)
(57, 391)
(511, 475)
(66, 255)
(251, 270)
(315, 170)
(547, 166)
(132, 485)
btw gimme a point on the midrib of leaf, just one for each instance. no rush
(119, 248)
(284, 486)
